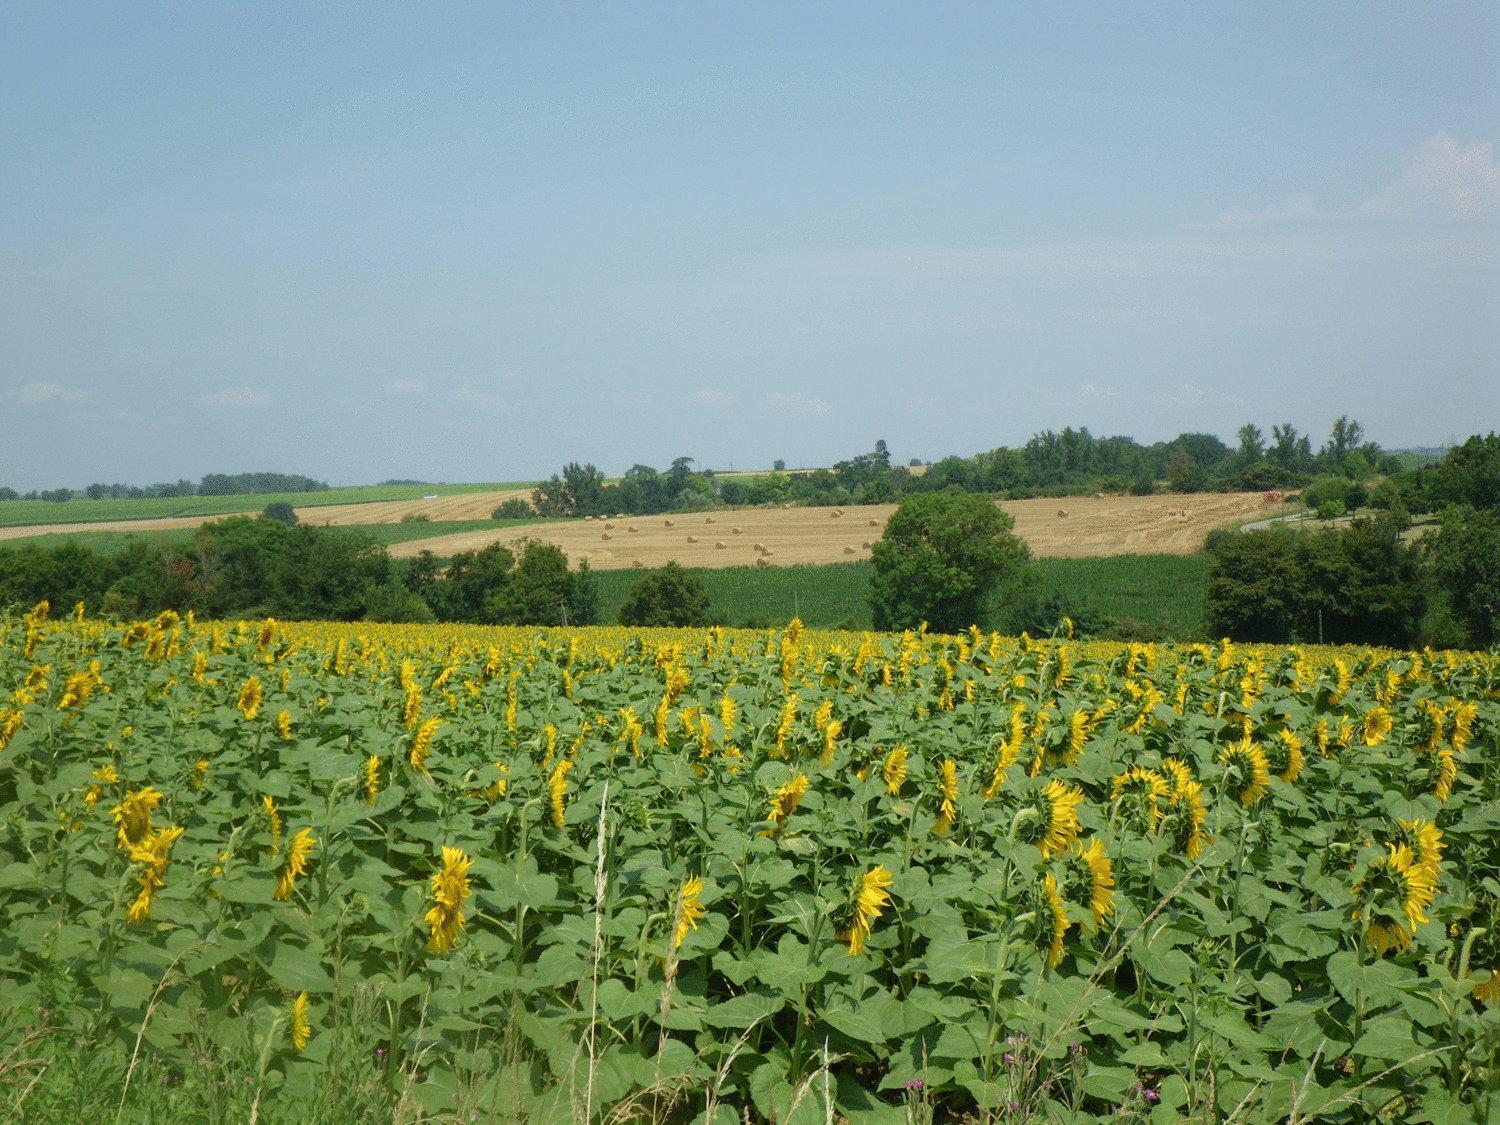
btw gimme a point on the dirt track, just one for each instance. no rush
(468, 506)
(1117, 525)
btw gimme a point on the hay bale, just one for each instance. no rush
(632, 530)
(606, 535)
(737, 530)
(848, 550)
(609, 526)
(760, 548)
(666, 523)
(692, 539)
(1062, 515)
(710, 519)
(873, 523)
(637, 564)
(719, 546)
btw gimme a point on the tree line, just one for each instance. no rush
(212, 484)
(1068, 462)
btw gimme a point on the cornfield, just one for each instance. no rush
(319, 871)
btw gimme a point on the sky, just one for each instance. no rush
(470, 243)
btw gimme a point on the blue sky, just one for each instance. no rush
(469, 243)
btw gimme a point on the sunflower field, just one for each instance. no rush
(307, 872)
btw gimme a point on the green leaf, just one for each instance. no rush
(297, 969)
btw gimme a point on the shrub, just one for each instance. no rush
(1331, 509)
(513, 509)
(666, 596)
(416, 517)
(281, 512)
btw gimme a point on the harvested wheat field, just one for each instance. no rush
(1067, 528)
(468, 506)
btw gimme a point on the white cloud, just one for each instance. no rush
(715, 398)
(1295, 209)
(1096, 391)
(34, 394)
(799, 404)
(1443, 179)
(236, 397)
(405, 387)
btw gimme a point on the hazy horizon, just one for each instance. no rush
(400, 242)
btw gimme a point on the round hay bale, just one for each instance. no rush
(632, 530)
(719, 546)
(848, 550)
(1062, 515)
(737, 530)
(666, 523)
(872, 523)
(692, 539)
(609, 526)
(606, 535)
(710, 519)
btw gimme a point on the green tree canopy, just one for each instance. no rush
(942, 560)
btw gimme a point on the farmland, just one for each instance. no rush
(1076, 527)
(364, 873)
(362, 504)
(1164, 591)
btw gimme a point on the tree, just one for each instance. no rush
(1253, 586)
(941, 560)
(1184, 474)
(537, 592)
(585, 608)
(1343, 439)
(778, 465)
(1465, 561)
(281, 512)
(1252, 445)
(666, 596)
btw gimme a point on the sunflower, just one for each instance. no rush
(1447, 774)
(1464, 715)
(133, 816)
(251, 695)
(1090, 868)
(421, 744)
(1140, 790)
(947, 797)
(1285, 758)
(1376, 726)
(372, 779)
(871, 896)
(1403, 886)
(1184, 819)
(1426, 840)
(1247, 772)
(894, 770)
(1177, 772)
(1061, 813)
(284, 725)
(153, 853)
(450, 888)
(298, 850)
(273, 823)
(689, 909)
(1057, 913)
(784, 802)
(557, 790)
(299, 1028)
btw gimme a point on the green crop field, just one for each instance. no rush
(1158, 590)
(20, 513)
(352, 873)
(385, 534)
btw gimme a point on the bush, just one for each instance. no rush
(513, 509)
(942, 559)
(416, 517)
(281, 512)
(666, 596)
(1330, 509)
